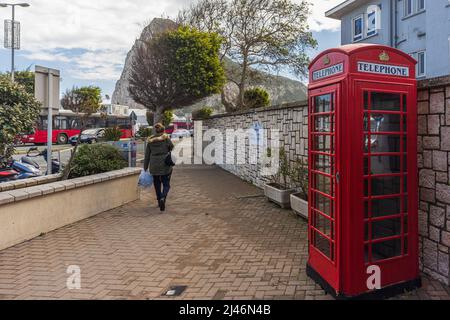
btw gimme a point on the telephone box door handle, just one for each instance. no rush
(338, 177)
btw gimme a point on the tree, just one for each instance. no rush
(256, 98)
(84, 102)
(24, 78)
(150, 118)
(176, 69)
(258, 34)
(19, 111)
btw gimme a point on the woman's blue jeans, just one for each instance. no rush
(162, 186)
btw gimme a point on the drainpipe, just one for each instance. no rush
(391, 22)
(395, 23)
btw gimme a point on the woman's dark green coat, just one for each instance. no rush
(158, 147)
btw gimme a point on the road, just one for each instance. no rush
(62, 153)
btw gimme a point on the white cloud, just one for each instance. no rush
(318, 21)
(104, 30)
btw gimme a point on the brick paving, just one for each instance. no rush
(218, 237)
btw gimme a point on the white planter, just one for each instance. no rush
(299, 206)
(278, 196)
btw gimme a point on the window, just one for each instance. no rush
(420, 5)
(421, 62)
(371, 23)
(408, 7)
(357, 28)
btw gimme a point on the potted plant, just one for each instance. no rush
(299, 200)
(279, 191)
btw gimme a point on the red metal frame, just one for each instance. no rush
(354, 246)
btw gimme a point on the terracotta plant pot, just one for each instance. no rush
(275, 193)
(299, 206)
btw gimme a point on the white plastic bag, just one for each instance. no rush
(145, 180)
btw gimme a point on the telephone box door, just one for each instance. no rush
(385, 213)
(323, 176)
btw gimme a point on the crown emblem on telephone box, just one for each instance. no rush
(384, 56)
(326, 60)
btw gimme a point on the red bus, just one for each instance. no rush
(179, 125)
(66, 124)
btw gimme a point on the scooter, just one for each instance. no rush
(25, 170)
(8, 174)
(33, 153)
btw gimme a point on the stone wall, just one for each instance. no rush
(434, 177)
(292, 122)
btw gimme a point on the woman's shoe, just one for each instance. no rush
(162, 204)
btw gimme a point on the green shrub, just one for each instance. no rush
(300, 177)
(112, 134)
(256, 98)
(144, 133)
(167, 118)
(203, 113)
(95, 159)
(284, 170)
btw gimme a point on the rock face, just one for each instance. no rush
(282, 90)
(121, 95)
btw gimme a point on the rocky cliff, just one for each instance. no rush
(282, 90)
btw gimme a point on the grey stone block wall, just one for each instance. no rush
(434, 177)
(292, 123)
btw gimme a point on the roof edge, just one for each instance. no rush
(336, 12)
(352, 49)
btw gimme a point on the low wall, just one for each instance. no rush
(20, 184)
(29, 212)
(292, 122)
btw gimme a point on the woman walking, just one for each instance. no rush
(158, 148)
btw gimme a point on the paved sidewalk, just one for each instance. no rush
(219, 245)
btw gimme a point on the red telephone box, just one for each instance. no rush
(363, 215)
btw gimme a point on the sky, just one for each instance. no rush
(88, 40)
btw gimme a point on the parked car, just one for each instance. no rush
(181, 133)
(88, 136)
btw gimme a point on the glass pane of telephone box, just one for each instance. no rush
(323, 224)
(323, 143)
(323, 163)
(386, 250)
(386, 101)
(382, 143)
(324, 103)
(323, 184)
(323, 245)
(323, 204)
(324, 123)
(386, 207)
(385, 164)
(382, 186)
(386, 228)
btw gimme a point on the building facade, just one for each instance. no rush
(420, 28)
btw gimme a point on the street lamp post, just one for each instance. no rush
(13, 44)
